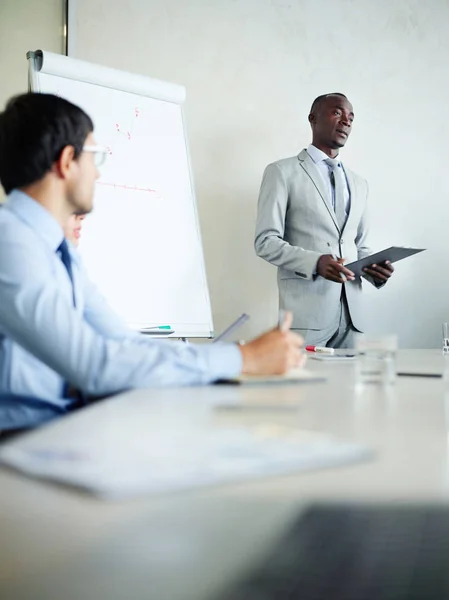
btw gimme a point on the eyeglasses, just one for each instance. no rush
(100, 153)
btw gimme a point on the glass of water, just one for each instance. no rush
(376, 359)
(446, 339)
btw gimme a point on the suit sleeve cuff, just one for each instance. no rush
(376, 284)
(310, 268)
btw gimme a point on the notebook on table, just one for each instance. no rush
(293, 376)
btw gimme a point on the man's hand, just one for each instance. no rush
(381, 272)
(273, 353)
(333, 270)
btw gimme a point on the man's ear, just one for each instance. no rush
(312, 118)
(64, 164)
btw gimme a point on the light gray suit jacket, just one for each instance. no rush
(296, 224)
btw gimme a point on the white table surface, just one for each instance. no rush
(58, 544)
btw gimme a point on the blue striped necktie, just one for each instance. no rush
(338, 182)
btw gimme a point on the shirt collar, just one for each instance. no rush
(318, 155)
(35, 216)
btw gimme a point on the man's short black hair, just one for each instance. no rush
(34, 130)
(316, 103)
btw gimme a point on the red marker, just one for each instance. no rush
(320, 349)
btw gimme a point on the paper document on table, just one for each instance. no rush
(163, 463)
(393, 254)
(293, 376)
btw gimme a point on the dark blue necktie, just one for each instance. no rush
(64, 254)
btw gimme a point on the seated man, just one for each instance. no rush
(56, 331)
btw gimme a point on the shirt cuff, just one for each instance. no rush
(225, 362)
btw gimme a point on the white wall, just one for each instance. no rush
(25, 25)
(252, 68)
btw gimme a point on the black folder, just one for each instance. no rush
(393, 254)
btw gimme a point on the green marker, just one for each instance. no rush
(158, 330)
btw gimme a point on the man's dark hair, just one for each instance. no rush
(316, 103)
(34, 130)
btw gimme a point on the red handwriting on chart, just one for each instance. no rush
(133, 188)
(127, 133)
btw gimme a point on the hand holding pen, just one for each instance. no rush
(275, 352)
(331, 267)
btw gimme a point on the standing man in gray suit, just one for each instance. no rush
(312, 218)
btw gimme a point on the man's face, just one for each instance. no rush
(81, 185)
(332, 122)
(72, 231)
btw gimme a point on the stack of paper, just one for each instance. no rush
(162, 463)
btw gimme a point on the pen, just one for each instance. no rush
(232, 327)
(436, 375)
(159, 327)
(282, 315)
(320, 349)
(334, 256)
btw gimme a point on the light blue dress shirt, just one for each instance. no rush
(319, 157)
(45, 341)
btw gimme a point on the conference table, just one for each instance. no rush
(60, 543)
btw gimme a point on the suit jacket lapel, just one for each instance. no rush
(309, 167)
(352, 192)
